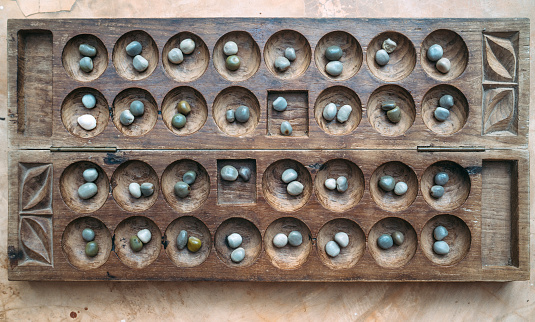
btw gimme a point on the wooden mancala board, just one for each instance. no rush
(482, 146)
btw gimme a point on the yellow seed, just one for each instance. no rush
(183, 107)
(194, 244)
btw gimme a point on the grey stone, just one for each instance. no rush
(295, 238)
(89, 101)
(440, 232)
(400, 188)
(245, 173)
(446, 101)
(87, 122)
(187, 46)
(234, 240)
(388, 105)
(140, 63)
(280, 240)
(342, 184)
(441, 178)
(135, 190)
(237, 255)
(342, 239)
(398, 238)
(289, 175)
(242, 114)
(126, 118)
(90, 175)
(443, 65)
(441, 114)
(437, 191)
(441, 247)
(137, 108)
(280, 104)
(86, 64)
(389, 45)
(329, 111)
(189, 177)
(88, 234)
(332, 249)
(182, 239)
(394, 115)
(229, 115)
(182, 189)
(134, 48)
(334, 68)
(333, 53)
(330, 183)
(385, 241)
(175, 56)
(286, 128)
(387, 183)
(381, 57)
(87, 50)
(435, 52)
(282, 64)
(144, 235)
(230, 48)
(147, 189)
(295, 188)
(290, 53)
(229, 173)
(343, 113)
(87, 190)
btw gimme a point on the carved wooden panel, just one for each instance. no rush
(35, 233)
(35, 188)
(500, 111)
(500, 83)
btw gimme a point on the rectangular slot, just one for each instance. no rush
(34, 83)
(239, 191)
(296, 113)
(499, 215)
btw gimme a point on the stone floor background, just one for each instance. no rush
(259, 301)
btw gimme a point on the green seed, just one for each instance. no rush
(333, 53)
(233, 62)
(398, 238)
(183, 107)
(189, 177)
(87, 50)
(135, 243)
(394, 115)
(194, 244)
(182, 189)
(388, 105)
(86, 64)
(91, 249)
(88, 234)
(179, 121)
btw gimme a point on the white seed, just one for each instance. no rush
(87, 122)
(144, 235)
(330, 183)
(280, 240)
(135, 190)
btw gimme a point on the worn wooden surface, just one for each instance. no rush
(375, 301)
(265, 202)
(462, 41)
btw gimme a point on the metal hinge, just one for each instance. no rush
(451, 148)
(84, 149)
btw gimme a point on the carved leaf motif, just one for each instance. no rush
(35, 186)
(501, 58)
(34, 234)
(499, 110)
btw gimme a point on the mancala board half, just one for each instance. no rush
(482, 146)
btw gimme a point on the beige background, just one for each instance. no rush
(258, 301)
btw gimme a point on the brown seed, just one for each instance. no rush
(183, 107)
(194, 244)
